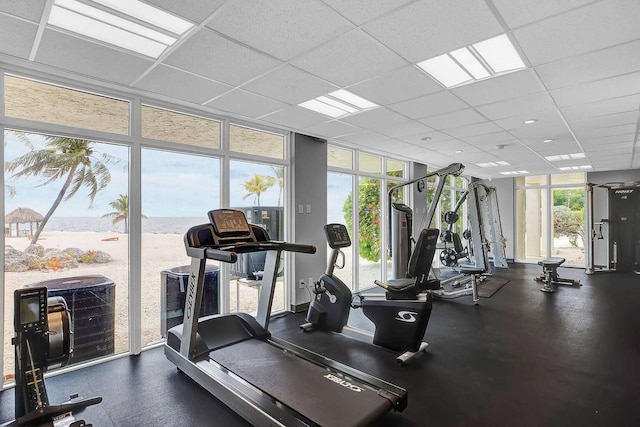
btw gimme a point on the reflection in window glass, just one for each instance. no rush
(339, 197)
(532, 180)
(369, 231)
(256, 142)
(531, 224)
(69, 235)
(396, 168)
(31, 100)
(568, 224)
(369, 163)
(339, 157)
(165, 125)
(257, 190)
(177, 192)
(568, 178)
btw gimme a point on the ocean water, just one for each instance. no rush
(149, 225)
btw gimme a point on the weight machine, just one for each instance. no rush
(483, 213)
(614, 241)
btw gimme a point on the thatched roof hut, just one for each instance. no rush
(23, 216)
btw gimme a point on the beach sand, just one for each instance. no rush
(159, 252)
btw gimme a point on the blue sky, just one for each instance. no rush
(173, 184)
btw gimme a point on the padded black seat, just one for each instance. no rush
(549, 276)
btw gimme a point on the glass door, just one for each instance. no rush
(568, 225)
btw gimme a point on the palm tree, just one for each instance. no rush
(73, 160)
(279, 173)
(121, 213)
(257, 185)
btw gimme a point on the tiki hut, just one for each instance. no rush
(23, 216)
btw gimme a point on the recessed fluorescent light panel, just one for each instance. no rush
(129, 24)
(566, 157)
(493, 164)
(479, 61)
(574, 168)
(337, 104)
(514, 173)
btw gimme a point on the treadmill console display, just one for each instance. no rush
(337, 236)
(229, 222)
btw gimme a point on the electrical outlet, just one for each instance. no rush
(301, 283)
(310, 282)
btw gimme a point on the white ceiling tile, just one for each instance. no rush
(606, 141)
(374, 118)
(609, 106)
(429, 28)
(524, 105)
(520, 12)
(555, 148)
(365, 138)
(407, 128)
(333, 129)
(284, 29)
(598, 65)
(594, 123)
(194, 10)
(246, 103)
(544, 119)
(499, 88)
(295, 117)
(181, 85)
(350, 58)
(598, 90)
(595, 26)
(26, 9)
(453, 119)
(213, 56)
(431, 140)
(399, 85)
(473, 130)
(604, 131)
(361, 11)
(490, 139)
(92, 59)
(429, 105)
(17, 36)
(289, 84)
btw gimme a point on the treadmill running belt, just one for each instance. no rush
(303, 386)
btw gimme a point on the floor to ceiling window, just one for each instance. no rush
(258, 189)
(99, 191)
(363, 209)
(66, 210)
(550, 218)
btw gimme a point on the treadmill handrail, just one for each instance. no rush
(228, 253)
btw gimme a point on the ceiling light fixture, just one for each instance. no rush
(458, 151)
(530, 121)
(548, 140)
(573, 168)
(493, 164)
(483, 60)
(129, 24)
(337, 104)
(566, 157)
(520, 172)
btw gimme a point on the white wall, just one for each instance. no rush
(309, 180)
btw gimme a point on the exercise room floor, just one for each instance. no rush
(520, 358)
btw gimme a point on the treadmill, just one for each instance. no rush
(267, 381)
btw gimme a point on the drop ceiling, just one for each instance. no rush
(256, 60)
